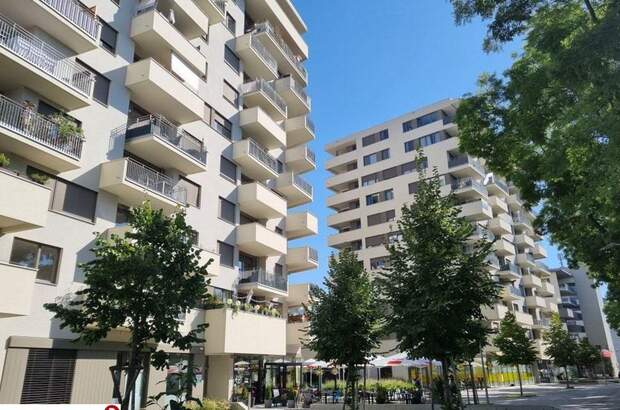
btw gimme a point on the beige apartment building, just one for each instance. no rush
(193, 104)
(374, 175)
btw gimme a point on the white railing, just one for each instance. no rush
(264, 278)
(45, 57)
(266, 27)
(78, 14)
(302, 184)
(310, 155)
(313, 254)
(38, 128)
(262, 155)
(265, 87)
(154, 181)
(220, 5)
(262, 51)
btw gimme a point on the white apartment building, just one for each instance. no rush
(199, 104)
(374, 175)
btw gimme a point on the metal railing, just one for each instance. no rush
(264, 278)
(481, 231)
(499, 182)
(220, 5)
(465, 159)
(265, 87)
(78, 14)
(160, 127)
(518, 217)
(515, 290)
(263, 53)
(466, 183)
(492, 260)
(299, 91)
(310, 155)
(38, 128)
(309, 123)
(542, 322)
(302, 184)
(266, 27)
(313, 254)
(510, 267)
(154, 181)
(45, 57)
(261, 154)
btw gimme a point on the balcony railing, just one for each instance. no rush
(467, 182)
(542, 322)
(260, 154)
(313, 254)
(265, 87)
(45, 57)
(481, 231)
(159, 126)
(499, 182)
(492, 260)
(266, 27)
(510, 267)
(529, 257)
(515, 290)
(78, 14)
(220, 4)
(262, 277)
(38, 128)
(262, 51)
(310, 155)
(302, 184)
(154, 181)
(309, 123)
(465, 159)
(519, 217)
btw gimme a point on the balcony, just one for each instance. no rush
(158, 141)
(497, 186)
(504, 247)
(244, 333)
(300, 159)
(296, 190)
(531, 281)
(476, 210)
(157, 90)
(542, 269)
(524, 241)
(463, 165)
(297, 100)
(214, 9)
(301, 224)
(526, 260)
(263, 283)
(501, 224)
(254, 160)
(288, 63)
(257, 240)
(16, 290)
(134, 183)
(262, 128)
(541, 324)
(468, 188)
(24, 204)
(480, 232)
(260, 202)
(515, 201)
(154, 36)
(68, 21)
(497, 312)
(498, 205)
(509, 293)
(509, 270)
(524, 319)
(299, 130)
(37, 138)
(548, 289)
(492, 263)
(260, 93)
(301, 259)
(539, 251)
(536, 302)
(551, 306)
(257, 60)
(27, 61)
(522, 223)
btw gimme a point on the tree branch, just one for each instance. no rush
(591, 11)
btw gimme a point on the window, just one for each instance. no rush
(122, 214)
(377, 240)
(382, 217)
(108, 37)
(49, 376)
(423, 141)
(231, 24)
(428, 118)
(227, 210)
(228, 169)
(227, 254)
(374, 138)
(218, 122)
(379, 197)
(221, 295)
(408, 125)
(231, 94)
(278, 269)
(192, 191)
(231, 59)
(101, 89)
(379, 263)
(279, 230)
(34, 255)
(376, 157)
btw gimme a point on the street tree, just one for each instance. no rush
(515, 347)
(345, 318)
(588, 356)
(142, 282)
(561, 348)
(436, 284)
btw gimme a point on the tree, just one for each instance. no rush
(551, 124)
(561, 348)
(141, 282)
(434, 288)
(345, 318)
(515, 347)
(588, 356)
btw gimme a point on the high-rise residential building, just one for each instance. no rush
(198, 104)
(581, 311)
(374, 175)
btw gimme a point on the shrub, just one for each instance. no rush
(213, 404)
(382, 394)
(38, 177)
(4, 161)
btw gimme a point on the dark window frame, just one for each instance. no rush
(219, 250)
(111, 48)
(234, 210)
(37, 260)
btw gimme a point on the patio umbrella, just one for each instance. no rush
(378, 363)
(309, 363)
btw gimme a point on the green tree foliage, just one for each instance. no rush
(588, 356)
(515, 347)
(435, 287)
(561, 348)
(345, 317)
(142, 282)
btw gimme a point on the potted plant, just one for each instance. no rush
(4, 161)
(291, 398)
(39, 178)
(268, 397)
(67, 128)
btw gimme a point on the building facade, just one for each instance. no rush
(197, 104)
(374, 175)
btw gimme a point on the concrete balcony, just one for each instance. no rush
(16, 290)
(524, 319)
(159, 142)
(524, 241)
(551, 306)
(257, 240)
(155, 37)
(68, 21)
(541, 269)
(526, 260)
(254, 160)
(497, 186)
(536, 302)
(260, 93)
(476, 210)
(157, 90)
(37, 138)
(244, 333)
(296, 190)
(28, 61)
(509, 270)
(496, 312)
(300, 159)
(214, 9)
(531, 281)
(547, 289)
(481, 232)
(299, 130)
(260, 202)
(501, 225)
(509, 293)
(492, 263)
(301, 224)
(301, 259)
(288, 62)
(541, 324)
(133, 183)
(257, 123)
(522, 223)
(263, 283)
(24, 204)
(297, 101)
(257, 60)
(515, 201)
(504, 247)
(465, 166)
(498, 205)
(468, 189)
(539, 251)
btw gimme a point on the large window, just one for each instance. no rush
(101, 89)
(228, 169)
(377, 197)
(231, 24)
(218, 122)
(108, 37)
(227, 254)
(423, 141)
(376, 157)
(382, 217)
(231, 59)
(231, 94)
(376, 137)
(227, 210)
(44, 258)
(392, 172)
(192, 190)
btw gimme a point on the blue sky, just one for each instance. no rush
(372, 60)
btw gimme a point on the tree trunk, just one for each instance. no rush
(133, 371)
(344, 394)
(567, 379)
(353, 376)
(473, 383)
(520, 382)
(447, 397)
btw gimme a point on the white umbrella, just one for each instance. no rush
(309, 363)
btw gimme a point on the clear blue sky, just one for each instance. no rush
(372, 60)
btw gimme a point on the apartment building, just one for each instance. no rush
(192, 104)
(374, 175)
